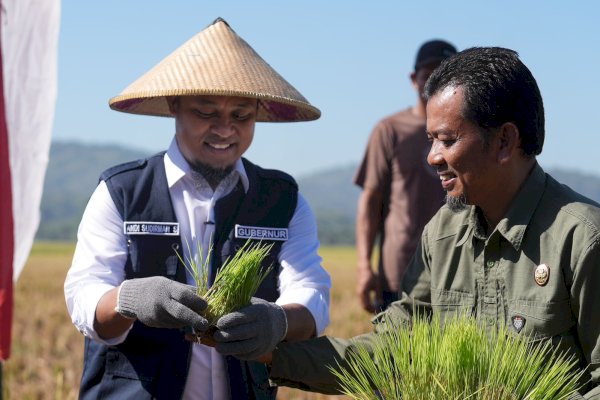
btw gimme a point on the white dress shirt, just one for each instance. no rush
(99, 259)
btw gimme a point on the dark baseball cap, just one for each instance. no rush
(433, 51)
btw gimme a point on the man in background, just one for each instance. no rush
(400, 192)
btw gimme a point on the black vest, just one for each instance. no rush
(152, 363)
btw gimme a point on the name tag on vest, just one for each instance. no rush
(260, 232)
(151, 228)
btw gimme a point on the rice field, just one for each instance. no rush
(46, 358)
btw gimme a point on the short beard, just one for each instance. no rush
(212, 175)
(456, 203)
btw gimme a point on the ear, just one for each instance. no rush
(509, 141)
(173, 102)
(413, 80)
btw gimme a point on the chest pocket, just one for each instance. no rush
(541, 320)
(449, 302)
(132, 375)
(151, 255)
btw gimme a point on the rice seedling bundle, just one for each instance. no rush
(458, 360)
(235, 282)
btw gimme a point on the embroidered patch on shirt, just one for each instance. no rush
(518, 323)
(260, 232)
(151, 228)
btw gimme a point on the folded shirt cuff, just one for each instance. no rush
(313, 300)
(85, 314)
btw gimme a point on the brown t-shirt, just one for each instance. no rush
(395, 163)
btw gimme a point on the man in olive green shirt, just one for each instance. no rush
(511, 245)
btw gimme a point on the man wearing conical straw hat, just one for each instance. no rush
(127, 291)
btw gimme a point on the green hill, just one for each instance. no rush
(74, 168)
(72, 175)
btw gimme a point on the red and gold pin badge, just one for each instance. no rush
(541, 274)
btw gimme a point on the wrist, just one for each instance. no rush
(364, 266)
(285, 321)
(108, 322)
(119, 306)
(266, 359)
(365, 270)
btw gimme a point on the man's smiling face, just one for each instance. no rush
(213, 131)
(466, 166)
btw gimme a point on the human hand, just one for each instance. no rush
(252, 331)
(266, 358)
(366, 288)
(160, 302)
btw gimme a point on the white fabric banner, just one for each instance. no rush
(30, 30)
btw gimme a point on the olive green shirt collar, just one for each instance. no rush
(513, 226)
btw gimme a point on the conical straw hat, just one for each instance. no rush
(216, 62)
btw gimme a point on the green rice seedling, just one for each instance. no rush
(198, 270)
(235, 282)
(459, 359)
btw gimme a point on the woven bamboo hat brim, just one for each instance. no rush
(220, 63)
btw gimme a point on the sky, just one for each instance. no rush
(351, 59)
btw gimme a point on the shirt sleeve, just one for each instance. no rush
(586, 303)
(302, 279)
(307, 364)
(416, 285)
(98, 262)
(374, 171)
